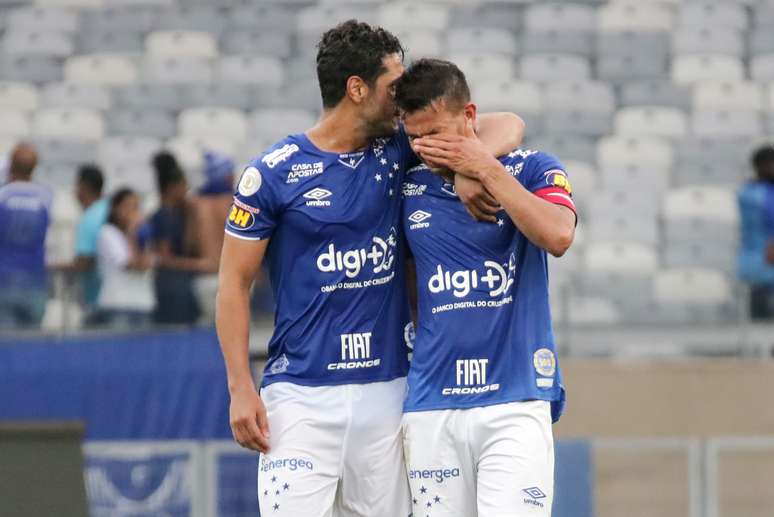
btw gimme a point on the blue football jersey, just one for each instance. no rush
(335, 258)
(484, 331)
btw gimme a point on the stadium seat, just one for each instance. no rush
(33, 69)
(703, 40)
(706, 161)
(314, 20)
(140, 3)
(138, 177)
(404, 15)
(566, 147)
(260, 17)
(274, 124)
(255, 69)
(72, 3)
(487, 15)
(216, 122)
(508, 95)
(303, 95)
(174, 70)
(632, 43)
(700, 214)
(125, 41)
(108, 69)
(763, 14)
(649, 151)
(479, 40)
(484, 67)
(56, 151)
(40, 18)
(623, 226)
(580, 121)
(655, 93)
(570, 17)
(419, 44)
(119, 18)
(273, 42)
(76, 95)
(597, 96)
(726, 123)
(59, 177)
(149, 122)
(651, 121)
(68, 124)
(729, 95)
(760, 41)
(165, 97)
(43, 43)
(190, 17)
(181, 44)
(221, 94)
(697, 67)
(588, 310)
(634, 15)
(618, 271)
(583, 179)
(19, 96)
(692, 285)
(762, 67)
(127, 149)
(701, 254)
(558, 42)
(190, 153)
(626, 68)
(633, 203)
(547, 67)
(14, 123)
(712, 15)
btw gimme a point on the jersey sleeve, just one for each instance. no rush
(544, 176)
(408, 157)
(255, 211)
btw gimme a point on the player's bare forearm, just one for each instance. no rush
(500, 132)
(547, 225)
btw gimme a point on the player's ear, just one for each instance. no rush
(357, 89)
(470, 111)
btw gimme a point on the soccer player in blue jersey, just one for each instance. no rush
(484, 383)
(323, 208)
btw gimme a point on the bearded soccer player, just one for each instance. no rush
(484, 384)
(324, 208)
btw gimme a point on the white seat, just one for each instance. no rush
(475, 39)
(695, 286)
(697, 67)
(76, 95)
(29, 42)
(590, 310)
(597, 96)
(634, 15)
(424, 43)
(404, 15)
(312, 22)
(73, 3)
(190, 151)
(704, 40)
(620, 226)
(274, 124)
(649, 151)
(217, 122)
(181, 44)
(172, 70)
(68, 124)
(714, 204)
(107, 69)
(257, 70)
(583, 178)
(482, 67)
(14, 123)
(137, 176)
(712, 15)
(260, 16)
(762, 68)
(726, 123)
(769, 98)
(728, 95)
(561, 17)
(508, 95)
(43, 19)
(651, 121)
(621, 257)
(127, 149)
(17, 95)
(547, 67)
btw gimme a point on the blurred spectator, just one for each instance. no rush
(3, 169)
(176, 243)
(126, 298)
(88, 191)
(212, 203)
(25, 216)
(756, 256)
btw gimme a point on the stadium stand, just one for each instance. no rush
(654, 106)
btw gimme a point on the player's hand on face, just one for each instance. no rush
(465, 155)
(477, 200)
(249, 423)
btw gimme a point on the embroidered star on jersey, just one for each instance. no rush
(378, 177)
(383, 161)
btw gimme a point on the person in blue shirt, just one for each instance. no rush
(25, 209)
(323, 209)
(755, 263)
(484, 385)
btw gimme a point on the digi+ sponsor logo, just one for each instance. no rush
(381, 255)
(355, 352)
(498, 278)
(471, 378)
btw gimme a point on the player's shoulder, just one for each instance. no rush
(41, 193)
(274, 165)
(416, 180)
(530, 161)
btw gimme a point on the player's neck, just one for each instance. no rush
(338, 131)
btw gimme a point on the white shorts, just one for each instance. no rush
(493, 461)
(336, 451)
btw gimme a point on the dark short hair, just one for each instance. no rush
(428, 80)
(763, 155)
(168, 171)
(351, 49)
(116, 199)
(91, 176)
